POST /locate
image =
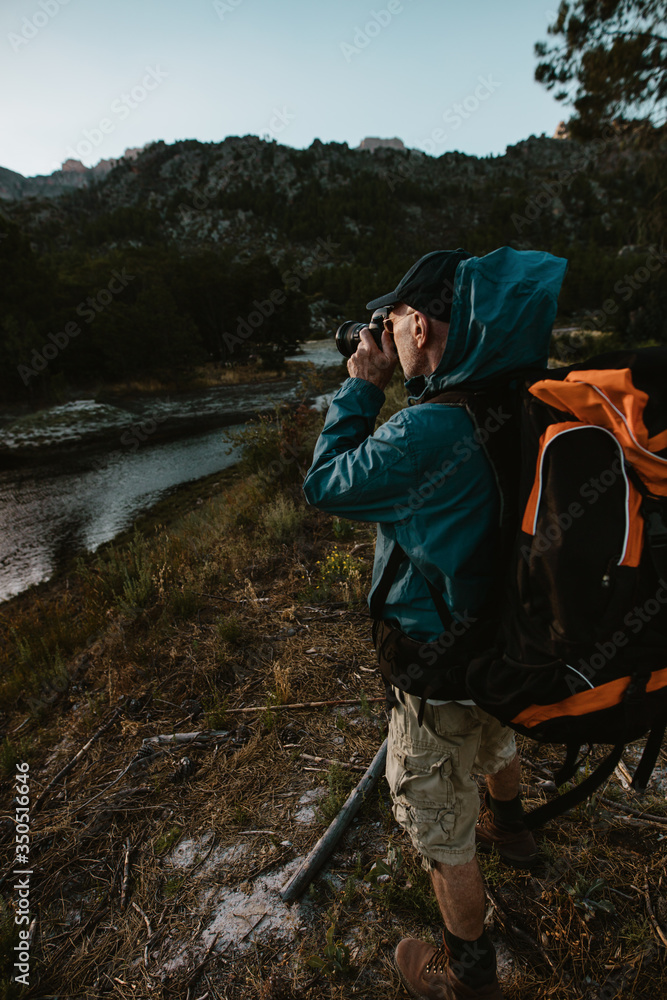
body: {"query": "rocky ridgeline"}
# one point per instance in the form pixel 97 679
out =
pixel 226 193
pixel 72 175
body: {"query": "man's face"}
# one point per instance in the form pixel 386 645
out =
pixel 401 324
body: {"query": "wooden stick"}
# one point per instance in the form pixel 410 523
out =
pixel 327 842
pixel 651 915
pixel 647 817
pixel 300 704
pixel 150 931
pixel 519 931
pixel 200 965
pixel 126 875
pixel 326 760
pixel 146 919
pixel 68 767
pixel 204 734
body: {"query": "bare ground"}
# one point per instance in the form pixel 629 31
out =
pixel 157 865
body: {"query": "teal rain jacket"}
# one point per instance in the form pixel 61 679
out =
pixel 423 475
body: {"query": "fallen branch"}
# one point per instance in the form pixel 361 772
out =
pixel 126 875
pixel 651 915
pixel 327 842
pixel 359 546
pixel 247 833
pixel 646 817
pixel 146 919
pixel 256 924
pixel 300 704
pixel 203 735
pixel 337 763
pixel 68 767
pixel 518 931
pixel 197 969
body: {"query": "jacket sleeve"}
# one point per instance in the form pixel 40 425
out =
pixel 356 473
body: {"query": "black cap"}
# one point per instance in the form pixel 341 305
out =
pixel 428 286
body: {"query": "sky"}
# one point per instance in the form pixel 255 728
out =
pixel 87 79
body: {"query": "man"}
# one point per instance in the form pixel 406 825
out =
pixel 424 477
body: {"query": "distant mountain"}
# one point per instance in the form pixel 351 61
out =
pixel 371 143
pixel 239 248
pixel 251 196
pixel 72 174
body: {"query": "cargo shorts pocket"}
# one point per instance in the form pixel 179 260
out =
pixel 424 802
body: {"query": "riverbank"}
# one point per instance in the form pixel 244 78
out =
pixel 155 865
pixel 208 375
pixel 132 413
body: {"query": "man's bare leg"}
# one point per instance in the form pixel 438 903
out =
pixel 460 894
pixel 504 785
pixel 459 889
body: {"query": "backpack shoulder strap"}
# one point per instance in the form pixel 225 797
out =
pixel 649 757
pixel 381 592
pixel 537 817
pixel 492 409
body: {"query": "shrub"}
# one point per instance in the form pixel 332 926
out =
pixel 282 519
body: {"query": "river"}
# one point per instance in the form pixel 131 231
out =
pixel 95 467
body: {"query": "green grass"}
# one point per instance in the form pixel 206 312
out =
pixel 339 783
pixel 166 841
pixel 229 629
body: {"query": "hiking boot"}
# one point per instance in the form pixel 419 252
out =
pixel 426 973
pixel 513 841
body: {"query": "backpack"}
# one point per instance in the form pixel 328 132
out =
pixel 579 609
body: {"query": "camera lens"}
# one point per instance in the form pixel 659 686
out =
pixel 348 334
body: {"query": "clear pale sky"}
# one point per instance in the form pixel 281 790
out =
pixel 98 76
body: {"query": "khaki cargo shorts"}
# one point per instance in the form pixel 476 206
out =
pixel 429 770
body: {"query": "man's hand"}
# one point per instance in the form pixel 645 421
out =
pixel 371 363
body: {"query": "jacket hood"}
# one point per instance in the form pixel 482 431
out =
pixel 504 306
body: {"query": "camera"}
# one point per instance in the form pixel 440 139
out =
pixel 348 334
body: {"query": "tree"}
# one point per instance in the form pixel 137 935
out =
pixel 610 62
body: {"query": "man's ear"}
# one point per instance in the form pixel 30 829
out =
pixel 422 329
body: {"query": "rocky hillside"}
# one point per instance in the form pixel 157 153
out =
pixel 325 225
pixel 72 175
pixel 257 195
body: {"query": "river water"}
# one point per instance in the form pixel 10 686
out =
pixel 94 468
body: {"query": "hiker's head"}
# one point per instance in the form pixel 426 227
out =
pixel 420 309
pixel 428 286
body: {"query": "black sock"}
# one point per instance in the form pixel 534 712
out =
pixel 473 962
pixel 507 811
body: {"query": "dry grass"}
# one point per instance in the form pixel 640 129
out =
pixel 206 376
pixel 175 632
